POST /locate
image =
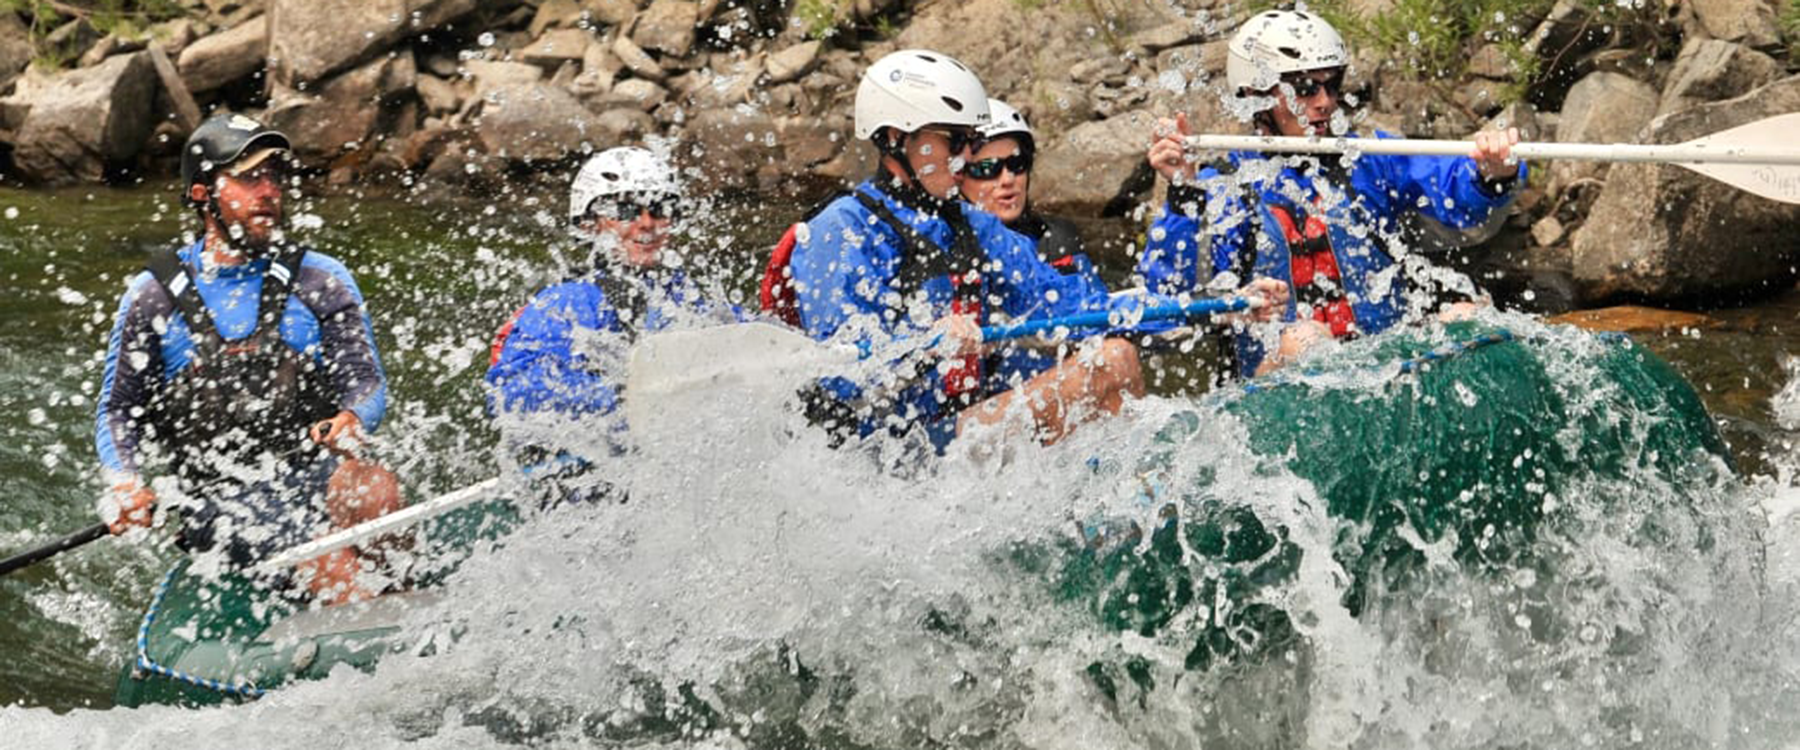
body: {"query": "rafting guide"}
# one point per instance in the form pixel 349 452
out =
pixel 244 367
pixel 1327 226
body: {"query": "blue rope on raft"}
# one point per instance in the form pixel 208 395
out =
pixel 146 664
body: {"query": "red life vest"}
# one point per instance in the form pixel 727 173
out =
pixel 1311 260
pixel 777 295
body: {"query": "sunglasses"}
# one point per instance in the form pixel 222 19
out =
pixel 988 169
pixel 959 139
pixel 1305 86
pixel 629 208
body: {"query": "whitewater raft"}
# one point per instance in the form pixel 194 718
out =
pixel 227 638
pixel 1465 439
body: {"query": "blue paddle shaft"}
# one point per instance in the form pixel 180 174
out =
pixel 1104 318
pixel 1089 320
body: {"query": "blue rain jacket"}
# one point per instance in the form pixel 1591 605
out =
pixel 844 267
pixel 1382 186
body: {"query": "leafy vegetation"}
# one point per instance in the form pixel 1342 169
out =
pixel 1435 40
pixel 822 18
pixel 1790 28
pixel 128 19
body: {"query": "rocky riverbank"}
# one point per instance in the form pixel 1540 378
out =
pixel 757 94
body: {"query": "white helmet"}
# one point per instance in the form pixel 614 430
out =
pixel 1006 121
pixel 912 88
pixel 626 169
pixel 1277 42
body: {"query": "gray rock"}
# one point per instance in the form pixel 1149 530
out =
pixel 554 14
pixel 1665 233
pixel 667 26
pixel 807 142
pixel 1519 115
pixel 1749 21
pixel 1085 166
pixel 174 36
pixel 793 62
pixel 78 122
pixel 1601 108
pixel 1490 62
pixel 611 12
pixel 443 66
pixel 342 114
pixel 1055 106
pixel 488 75
pixel 1709 70
pixel 1480 96
pixel 556 47
pixel 15 49
pixel 731 144
pixel 311 39
pixel 224 57
pixel 1547 231
pixel 175 98
pixel 625 124
pixel 716 89
pixel 532 122
pixel 438 95
pixel 1111 70
pixel 640 93
pixel 637 60
pixel 1158 38
pixel 111 44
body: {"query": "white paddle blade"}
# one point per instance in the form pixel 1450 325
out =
pixel 746 363
pixel 1777 182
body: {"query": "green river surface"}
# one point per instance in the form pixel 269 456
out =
pixel 439 274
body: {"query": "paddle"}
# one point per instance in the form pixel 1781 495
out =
pixel 765 355
pixel 373 528
pixel 23 559
pixel 1755 158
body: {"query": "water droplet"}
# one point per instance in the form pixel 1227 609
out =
pixel 486 39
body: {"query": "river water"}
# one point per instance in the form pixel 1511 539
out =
pixel 733 559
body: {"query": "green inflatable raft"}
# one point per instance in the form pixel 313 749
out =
pixel 212 639
pixel 1472 444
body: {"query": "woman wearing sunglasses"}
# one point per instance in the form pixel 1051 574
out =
pixel 1328 226
pixel 998 180
pixel 562 356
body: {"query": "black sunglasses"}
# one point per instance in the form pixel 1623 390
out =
pixel 988 169
pixel 629 208
pixel 1305 85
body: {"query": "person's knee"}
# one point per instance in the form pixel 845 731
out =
pixel 1125 370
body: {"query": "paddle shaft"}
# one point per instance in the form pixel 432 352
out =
pixel 1106 318
pixel 52 549
pixel 1692 152
pixel 367 530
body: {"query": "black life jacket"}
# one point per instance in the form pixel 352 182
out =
pixel 236 401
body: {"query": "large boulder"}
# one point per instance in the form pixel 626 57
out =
pixel 734 143
pixel 342 114
pixel 1664 233
pixel 1749 21
pixel 15 48
pixel 533 122
pixel 78 123
pixel 1012 50
pixel 224 57
pixel 1710 70
pixel 1601 108
pixel 312 39
pixel 667 26
pixel 1085 166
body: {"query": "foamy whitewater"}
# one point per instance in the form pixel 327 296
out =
pixel 762 590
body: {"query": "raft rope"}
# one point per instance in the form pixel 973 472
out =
pixel 146 664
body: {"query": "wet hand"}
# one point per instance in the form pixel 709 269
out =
pixel 136 504
pixel 957 336
pixel 1168 150
pixel 1273 297
pixel 1493 154
pixel 339 434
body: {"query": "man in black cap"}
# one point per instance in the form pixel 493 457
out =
pixel 242 367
